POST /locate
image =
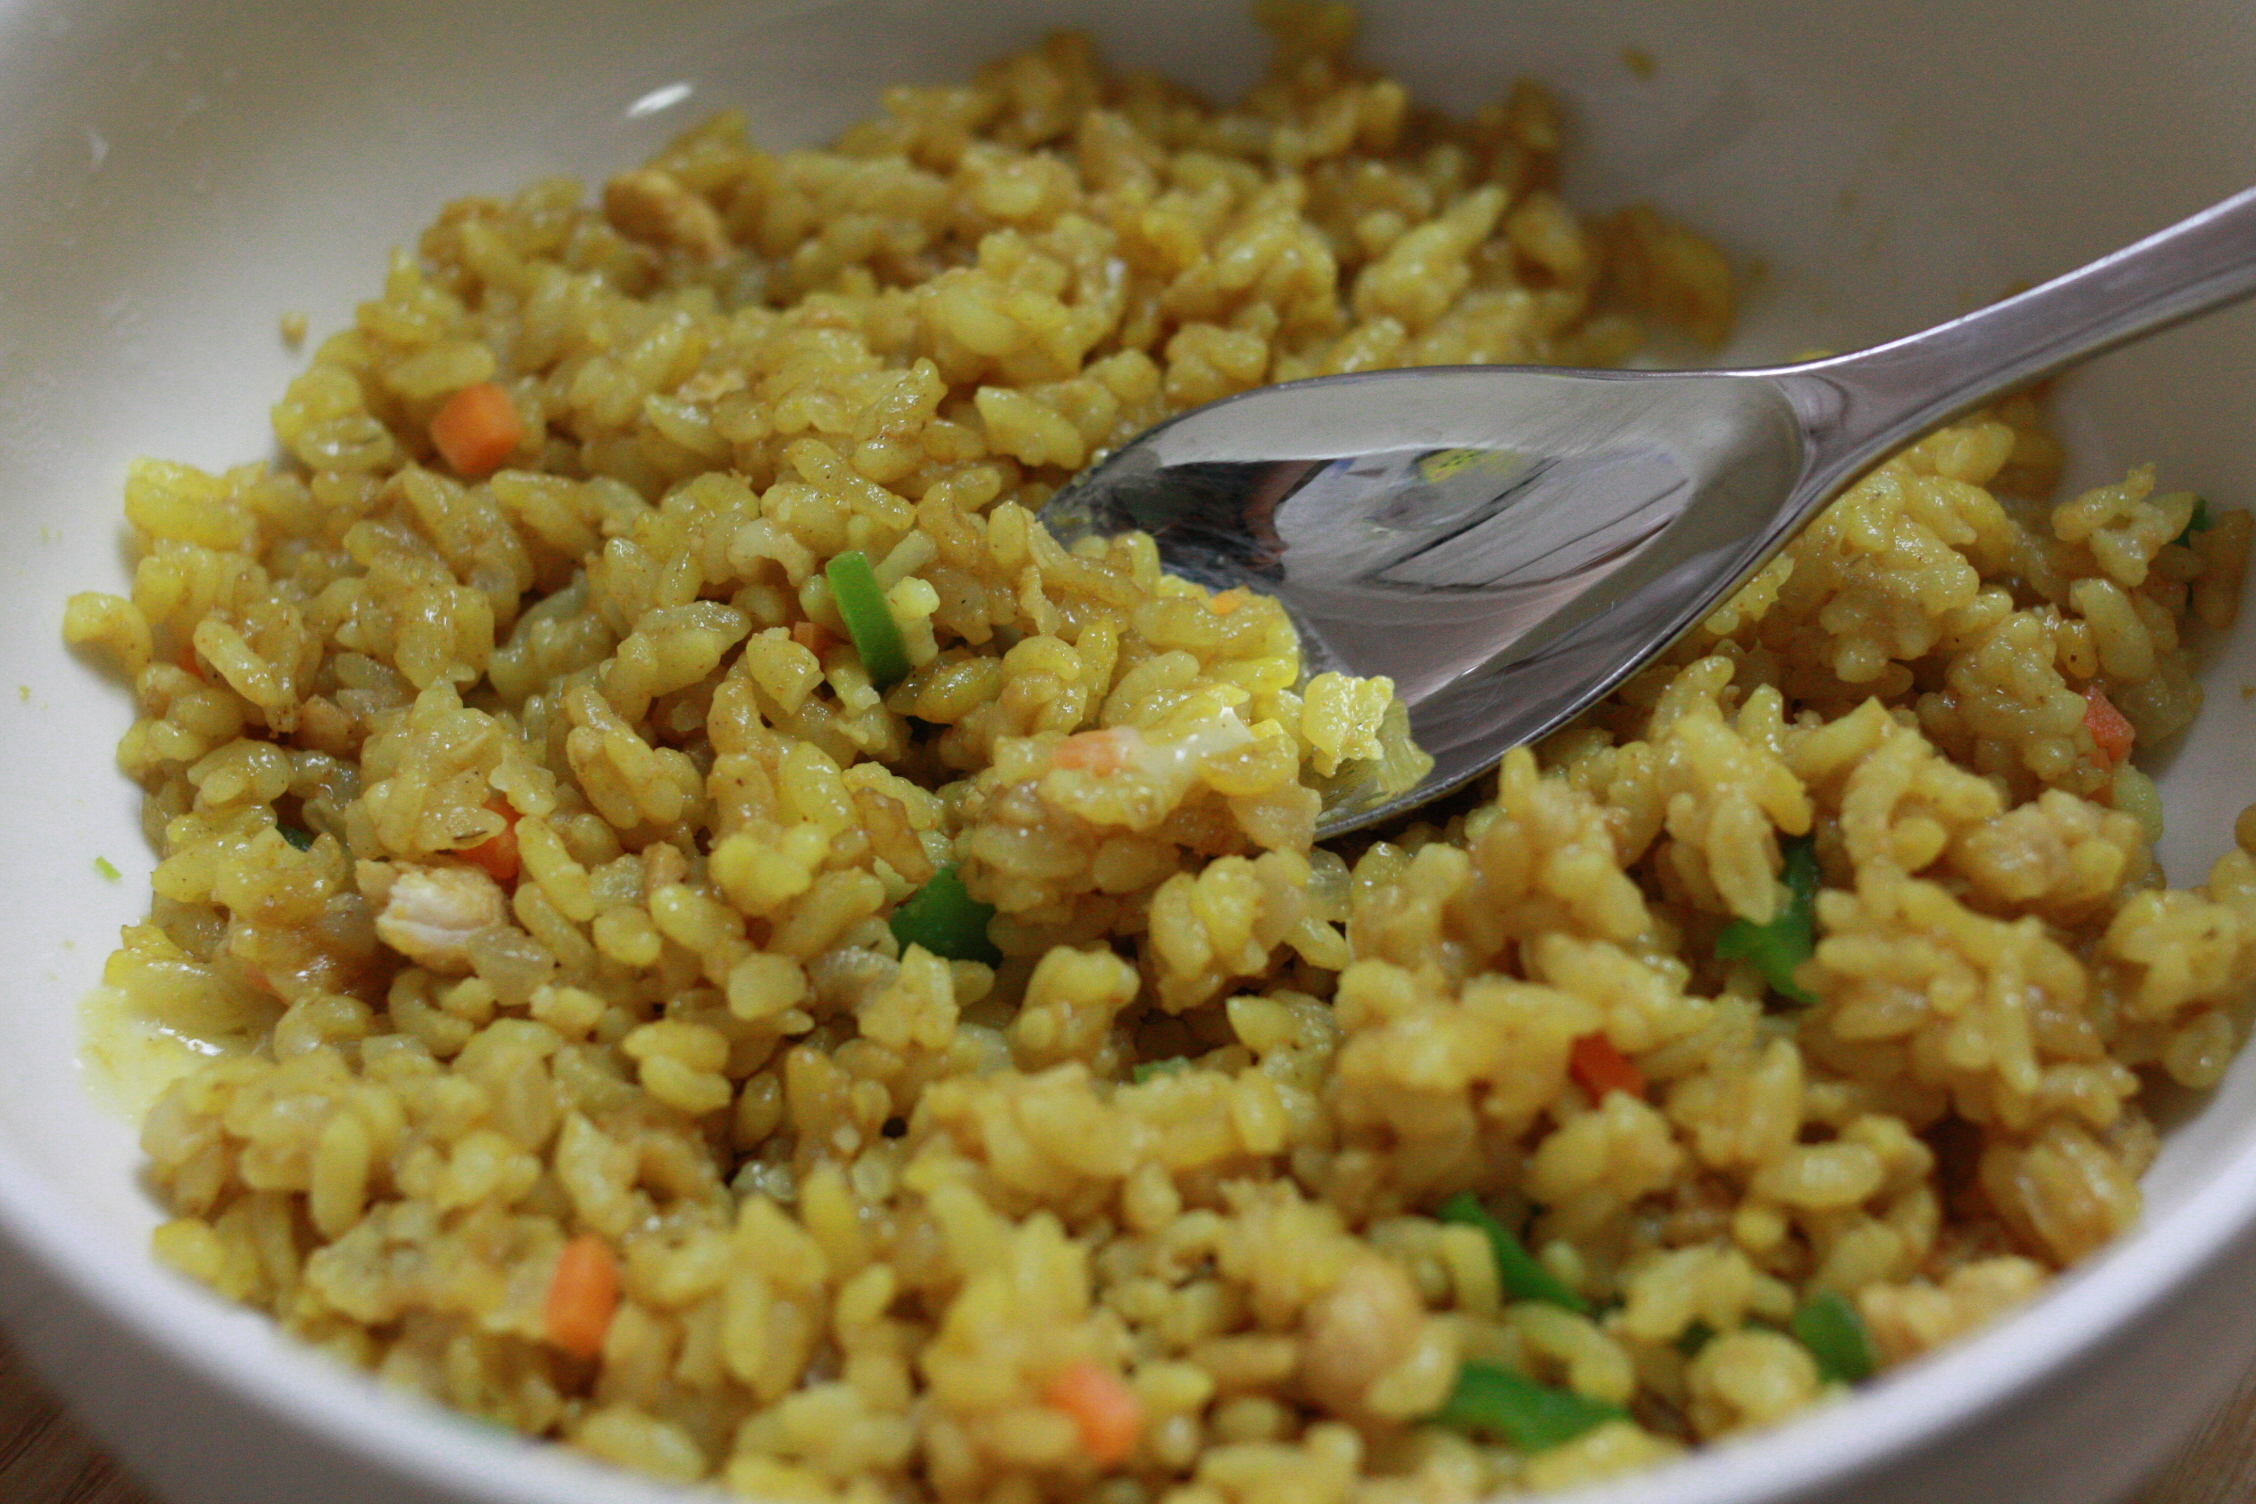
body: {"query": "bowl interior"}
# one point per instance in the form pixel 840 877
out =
pixel 178 178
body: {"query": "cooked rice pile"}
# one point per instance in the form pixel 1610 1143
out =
pixel 1154 1200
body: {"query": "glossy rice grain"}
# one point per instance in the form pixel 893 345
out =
pixel 529 845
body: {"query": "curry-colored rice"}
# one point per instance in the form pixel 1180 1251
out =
pixel 1191 1134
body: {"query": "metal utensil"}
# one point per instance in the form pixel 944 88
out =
pixel 1509 543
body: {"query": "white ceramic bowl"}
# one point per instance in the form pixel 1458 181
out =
pixel 174 178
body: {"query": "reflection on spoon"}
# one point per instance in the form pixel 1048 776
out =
pixel 1508 544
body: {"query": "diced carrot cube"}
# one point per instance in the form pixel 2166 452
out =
pixel 2109 728
pixel 477 430
pixel 497 854
pixel 583 1296
pixel 1600 1068
pixel 1105 1410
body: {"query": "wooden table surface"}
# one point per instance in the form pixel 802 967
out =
pixel 46 1459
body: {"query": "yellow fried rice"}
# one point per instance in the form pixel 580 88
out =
pixel 881 1219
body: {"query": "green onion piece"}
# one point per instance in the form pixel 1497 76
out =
pixel 1516 1268
pixel 1834 1333
pixel 1173 1065
pixel 2199 522
pixel 869 620
pixel 107 868
pixel 1514 1407
pixel 302 839
pixel 1790 937
pixel 945 919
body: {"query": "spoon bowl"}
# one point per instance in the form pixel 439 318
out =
pixel 1507 544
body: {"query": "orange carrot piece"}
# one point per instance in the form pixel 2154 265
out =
pixel 1600 1068
pixel 497 854
pixel 583 1295
pixel 2107 725
pixel 1102 1406
pixel 477 429
pixel 811 637
pixel 1098 752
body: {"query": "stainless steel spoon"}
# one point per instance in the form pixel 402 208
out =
pixel 1509 543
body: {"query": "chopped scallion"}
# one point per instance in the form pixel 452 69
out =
pixel 1696 1335
pixel 1515 1408
pixel 107 868
pixel 302 839
pixel 869 620
pixel 2199 522
pixel 1516 1268
pixel 1790 936
pixel 1831 1329
pixel 1173 1065
pixel 946 920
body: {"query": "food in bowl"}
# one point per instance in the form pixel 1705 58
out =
pixel 723 943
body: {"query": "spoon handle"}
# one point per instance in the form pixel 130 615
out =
pixel 1854 408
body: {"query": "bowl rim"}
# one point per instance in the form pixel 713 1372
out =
pixel 274 1374
pixel 1940 1394
pixel 1926 1400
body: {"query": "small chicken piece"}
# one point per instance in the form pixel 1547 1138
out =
pixel 1115 749
pixel 1356 1331
pixel 430 913
pixel 651 205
